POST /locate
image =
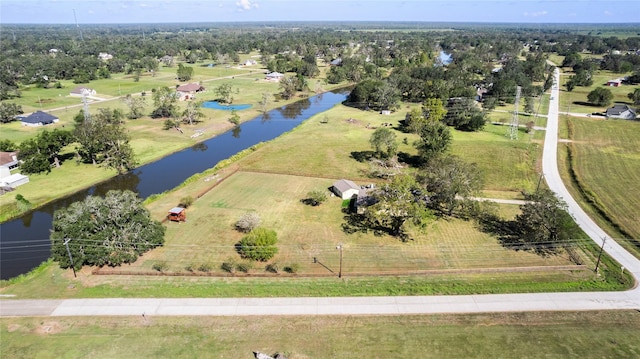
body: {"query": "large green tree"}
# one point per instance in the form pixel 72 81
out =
pixel 545 224
pixel 384 143
pixel 224 92
pixel 136 106
pixel 397 204
pixel 435 139
pixel 103 140
pixel 100 231
pixel 600 96
pixel 165 101
pixel 38 154
pixel 184 73
pixel 449 182
pixel 9 111
pixel 465 115
pixel 634 96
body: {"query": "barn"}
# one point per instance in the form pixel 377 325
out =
pixel 345 189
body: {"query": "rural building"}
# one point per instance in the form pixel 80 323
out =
pixel 105 56
pixel 614 83
pixel 621 111
pixel 38 118
pixel 188 91
pixel 80 90
pixel 9 160
pixel 336 62
pixel 14 180
pixel 274 76
pixel 177 214
pixel 345 189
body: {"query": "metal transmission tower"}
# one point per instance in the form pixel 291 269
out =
pixel 513 128
pixel 77 26
pixel 85 105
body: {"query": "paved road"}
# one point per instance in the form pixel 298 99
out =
pixel 372 305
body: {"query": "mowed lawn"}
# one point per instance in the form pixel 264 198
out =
pixel 606 160
pixel 306 232
pixel 505 335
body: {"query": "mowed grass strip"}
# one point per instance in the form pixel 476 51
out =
pixel 510 335
pixel 606 160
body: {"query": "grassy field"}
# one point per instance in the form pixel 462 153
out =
pixel 148 139
pixel 606 163
pixel 510 335
pixel 576 100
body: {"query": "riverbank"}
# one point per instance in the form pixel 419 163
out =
pixel 150 143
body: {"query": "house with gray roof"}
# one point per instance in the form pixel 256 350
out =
pixel 621 111
pixel 345 189
pixel 38 118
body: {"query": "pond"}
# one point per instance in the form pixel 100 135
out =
pixel 217 106
pixel 24 242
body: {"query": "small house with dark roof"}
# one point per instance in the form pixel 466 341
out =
pixel 38 118
pixel 621 111
pixel 345 189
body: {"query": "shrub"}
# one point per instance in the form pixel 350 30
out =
pixel 205 267
pixel 186 202
pixel 228 266
pixel 190 267
pixel 248 222
pixel 244 267
pixel 160 266
pixel 292 268
pixel 315 198
pixel 272 268
pixel 258 245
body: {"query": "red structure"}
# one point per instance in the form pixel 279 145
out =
pixel 177 214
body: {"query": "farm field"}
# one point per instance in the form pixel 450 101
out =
pixel 606 163
pixel 509 335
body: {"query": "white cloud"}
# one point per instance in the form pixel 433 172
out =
pixel 536 14
pixel 608 13
pixel 246 5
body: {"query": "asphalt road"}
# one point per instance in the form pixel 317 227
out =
pixel 373 305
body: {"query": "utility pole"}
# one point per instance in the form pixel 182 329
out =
pixel 66 243
pixel 339 247
pixel 604 240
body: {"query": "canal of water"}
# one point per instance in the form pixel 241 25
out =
pixel 24 242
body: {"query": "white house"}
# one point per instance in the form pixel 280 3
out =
pixel 345 189
pixel 274 76
pixel 105 56
pixel 78 91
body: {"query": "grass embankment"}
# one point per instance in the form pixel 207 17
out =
pixel 148 139
pixel 512 335
pixel 603 169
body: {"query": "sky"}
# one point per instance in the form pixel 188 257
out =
pixel 163 11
